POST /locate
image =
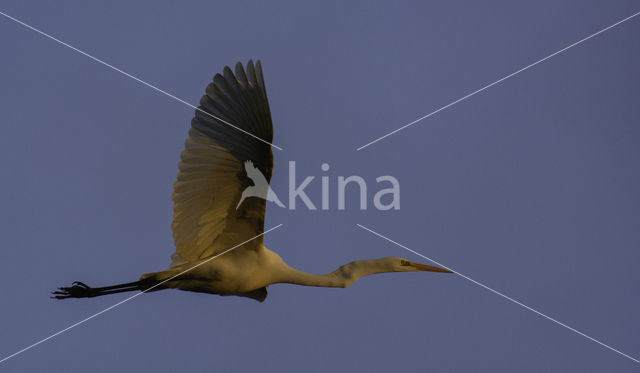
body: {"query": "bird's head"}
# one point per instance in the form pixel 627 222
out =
pixel 404 265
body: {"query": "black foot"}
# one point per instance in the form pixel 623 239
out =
pixel 77 290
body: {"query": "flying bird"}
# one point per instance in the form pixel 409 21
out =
pixel 232 127
pixel 260 187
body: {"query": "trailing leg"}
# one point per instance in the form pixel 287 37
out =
pixel 81 290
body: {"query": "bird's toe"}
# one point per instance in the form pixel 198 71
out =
pixel 77 290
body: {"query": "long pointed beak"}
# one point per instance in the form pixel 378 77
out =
pixel 425 267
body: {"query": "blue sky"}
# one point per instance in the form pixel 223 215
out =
pixel 530 187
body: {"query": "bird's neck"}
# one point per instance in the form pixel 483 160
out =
pixel 294 276
pixel 341 277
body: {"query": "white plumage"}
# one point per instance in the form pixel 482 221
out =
pixel 219 204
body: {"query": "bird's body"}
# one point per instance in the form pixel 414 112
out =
pixel 235 273
pixel 219 205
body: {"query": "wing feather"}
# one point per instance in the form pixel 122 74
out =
pixel 211 174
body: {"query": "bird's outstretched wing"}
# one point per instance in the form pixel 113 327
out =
pixel 211 177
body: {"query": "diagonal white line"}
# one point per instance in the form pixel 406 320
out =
pixel 133 296
pixel 496 82
pixel 134 78
pixel 500 294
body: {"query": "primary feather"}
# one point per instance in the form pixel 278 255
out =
pixel 211 177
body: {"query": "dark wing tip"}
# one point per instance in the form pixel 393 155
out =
pixel 238 100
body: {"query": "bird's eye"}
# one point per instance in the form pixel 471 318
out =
pixel 405 262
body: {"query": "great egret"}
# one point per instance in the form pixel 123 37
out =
pixel 211 214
